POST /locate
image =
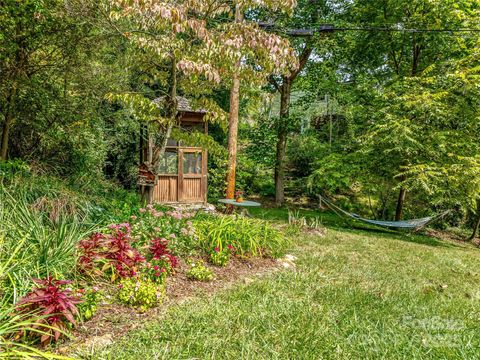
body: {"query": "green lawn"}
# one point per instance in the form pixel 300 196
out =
pixel 354 295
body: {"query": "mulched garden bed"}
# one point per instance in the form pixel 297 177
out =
pixel 114 320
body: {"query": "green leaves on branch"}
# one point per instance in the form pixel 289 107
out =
pixel 140 107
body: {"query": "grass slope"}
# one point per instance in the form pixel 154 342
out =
pixel 355 294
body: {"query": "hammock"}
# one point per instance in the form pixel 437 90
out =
pixel 413 224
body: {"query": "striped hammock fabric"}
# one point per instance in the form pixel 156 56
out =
pixel 413 224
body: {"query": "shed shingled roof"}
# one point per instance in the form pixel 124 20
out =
pixel 183 104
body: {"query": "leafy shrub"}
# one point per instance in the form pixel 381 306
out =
pixel 90 300
pixel 198 271
pixel 157 222
pixel 112 251
pixel 247 236
pixel 140 293
pixel 55 305
pixel 221 257
pixel 157 270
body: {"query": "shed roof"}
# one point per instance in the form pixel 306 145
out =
pixel 184 104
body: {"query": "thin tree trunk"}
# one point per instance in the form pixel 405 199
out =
pixel 158 149
pixel 232 137
pixel 285 92
pixel 400 202
pixel 233 123
pixel 5 136
pixel 7 124
pixel 476 226
pixel 282 130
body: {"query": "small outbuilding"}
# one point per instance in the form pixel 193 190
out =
pixel 182 174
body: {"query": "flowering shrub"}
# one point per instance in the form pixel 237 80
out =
pixel 221 257
pixel 90 299
pixel 152 223
pixel 140 293
pixel 110 251
pixel 157 271
pixel 54 307
pixel 198 271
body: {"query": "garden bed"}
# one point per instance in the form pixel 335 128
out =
pixel 113 320
pixel 94 285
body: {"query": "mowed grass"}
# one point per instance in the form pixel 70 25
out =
pixel 353 295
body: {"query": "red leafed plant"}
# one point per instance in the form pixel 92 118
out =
pixel 114 250
pixel 90 251
pixel 159 249
pixel 54 307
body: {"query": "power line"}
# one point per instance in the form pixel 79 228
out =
pixel 329 28
pixel 386 29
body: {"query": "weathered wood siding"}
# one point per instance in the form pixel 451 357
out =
pixel 166 189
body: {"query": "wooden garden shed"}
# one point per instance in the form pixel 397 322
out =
pixel 182 174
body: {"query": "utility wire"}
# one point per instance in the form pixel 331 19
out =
pixel 406 30
pixel 329 28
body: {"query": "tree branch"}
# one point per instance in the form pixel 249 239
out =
pixel 304 56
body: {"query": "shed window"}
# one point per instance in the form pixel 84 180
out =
pixel 192 163
pixel 169 163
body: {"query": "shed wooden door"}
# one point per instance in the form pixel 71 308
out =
pixel 166 189
pixel 191 175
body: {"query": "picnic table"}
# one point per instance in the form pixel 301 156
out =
pixel 243 205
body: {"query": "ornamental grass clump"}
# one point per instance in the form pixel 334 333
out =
pixel 54 309
pixel 249 237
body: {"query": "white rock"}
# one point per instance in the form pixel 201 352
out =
pixel 289 257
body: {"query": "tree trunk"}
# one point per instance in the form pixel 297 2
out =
pixel 282 130
pixel 233 123
pixel 232 137
pixel 476 226
pixel 5 135
pixel 400 202
pixel 7 124
pixel 285 92
pixel 157 149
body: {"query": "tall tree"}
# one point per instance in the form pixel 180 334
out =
pixel 233 121
pixel 308 15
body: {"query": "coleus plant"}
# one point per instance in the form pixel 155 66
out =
pixel 110 251
pixel 53 307
pixel 159 251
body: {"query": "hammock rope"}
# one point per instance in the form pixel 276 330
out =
pixel 413 224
